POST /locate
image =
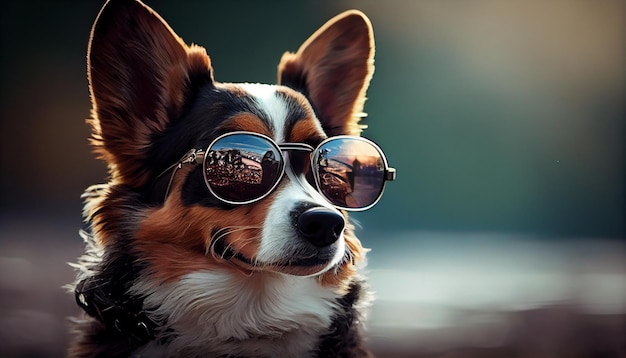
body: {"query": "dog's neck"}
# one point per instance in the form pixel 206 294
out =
pixel 231 313
pixel 216 313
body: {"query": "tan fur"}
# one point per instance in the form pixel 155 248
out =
pixel 339 279
pixel 176 239
pixel 247 122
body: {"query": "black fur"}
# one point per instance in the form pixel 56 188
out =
pixel 109 327
pixel 196 129
pixel 198 126
pixel 343 338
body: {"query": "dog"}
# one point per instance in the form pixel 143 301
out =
pixel 223 230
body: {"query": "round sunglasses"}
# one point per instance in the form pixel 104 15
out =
pixel 245 167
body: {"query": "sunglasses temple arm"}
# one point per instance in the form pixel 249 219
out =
pixel 390 174
pixel 193 156
pixel 169 184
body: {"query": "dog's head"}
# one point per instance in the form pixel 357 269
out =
pixel 155 99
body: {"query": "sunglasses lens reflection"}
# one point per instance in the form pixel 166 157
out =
pixel 240 168
pixel 350 172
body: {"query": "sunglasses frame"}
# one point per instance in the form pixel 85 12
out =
pixel 197 156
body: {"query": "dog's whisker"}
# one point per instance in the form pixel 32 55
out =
pixel 222 233
pixel 225 231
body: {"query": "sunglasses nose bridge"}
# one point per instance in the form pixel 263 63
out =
pixel 299 178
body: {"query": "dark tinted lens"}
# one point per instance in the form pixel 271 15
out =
pixel 350 172
pixel 242 167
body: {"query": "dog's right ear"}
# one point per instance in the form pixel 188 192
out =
pixel 140 76
pixel 333 69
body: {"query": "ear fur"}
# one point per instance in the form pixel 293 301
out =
pixel 333 69
pixel 140 75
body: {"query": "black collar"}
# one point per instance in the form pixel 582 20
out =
pixel 125 316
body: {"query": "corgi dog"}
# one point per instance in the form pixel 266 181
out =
pixel 223 230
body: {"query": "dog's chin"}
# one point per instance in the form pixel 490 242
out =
pixel 305 267
pixel 295 264
pixel 294 269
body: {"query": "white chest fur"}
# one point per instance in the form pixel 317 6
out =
pixel 215 313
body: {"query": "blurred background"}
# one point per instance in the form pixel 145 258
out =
pixel 504 235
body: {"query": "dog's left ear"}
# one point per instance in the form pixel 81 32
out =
pixel 141 75
pixel 333 69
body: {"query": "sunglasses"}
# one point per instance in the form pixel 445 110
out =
pixel 244 167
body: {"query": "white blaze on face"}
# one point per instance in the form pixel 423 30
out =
pixel 279 237
pixel 272 105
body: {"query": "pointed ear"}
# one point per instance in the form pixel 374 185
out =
pixel 141 74
pixel 333 69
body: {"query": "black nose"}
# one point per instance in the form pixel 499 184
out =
pixel 321 226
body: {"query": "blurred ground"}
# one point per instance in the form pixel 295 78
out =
pixel 490 295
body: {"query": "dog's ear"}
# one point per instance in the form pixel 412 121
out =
pixel 140 77
pixel 333 69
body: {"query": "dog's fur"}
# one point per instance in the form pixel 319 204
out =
pixel 187 275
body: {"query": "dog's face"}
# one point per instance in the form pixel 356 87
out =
pixel 155 98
